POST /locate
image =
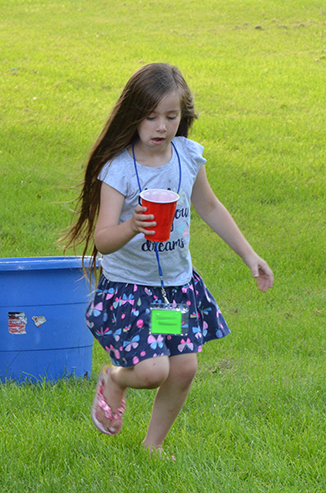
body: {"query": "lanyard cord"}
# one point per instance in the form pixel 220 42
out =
pixel 136 170
pixel 166 301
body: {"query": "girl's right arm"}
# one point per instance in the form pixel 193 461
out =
pixel 109 235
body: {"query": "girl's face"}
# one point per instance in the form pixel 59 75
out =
pixel 158 129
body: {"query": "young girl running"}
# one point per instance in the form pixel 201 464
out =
pixel 144 145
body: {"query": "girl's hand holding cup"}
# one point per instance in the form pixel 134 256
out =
pixel 141 221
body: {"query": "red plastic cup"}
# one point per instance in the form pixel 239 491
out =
pixel 162 204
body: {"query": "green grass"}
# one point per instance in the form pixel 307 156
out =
pixel 255 417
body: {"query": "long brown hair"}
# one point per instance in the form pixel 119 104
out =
pixel 140 96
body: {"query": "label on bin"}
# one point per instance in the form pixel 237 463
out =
pixel 17 322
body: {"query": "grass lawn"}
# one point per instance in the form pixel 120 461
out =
pixel 255 417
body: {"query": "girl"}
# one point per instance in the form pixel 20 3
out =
pixel 144 145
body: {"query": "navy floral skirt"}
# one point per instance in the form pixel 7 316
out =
pixel 119 318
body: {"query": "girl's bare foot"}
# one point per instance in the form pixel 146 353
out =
pixel 158 451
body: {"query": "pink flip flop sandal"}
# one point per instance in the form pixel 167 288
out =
pixel 99 401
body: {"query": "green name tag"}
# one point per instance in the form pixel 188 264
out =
pixel 166 321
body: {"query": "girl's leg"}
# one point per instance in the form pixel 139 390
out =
pixel 148 374
pixel 170 398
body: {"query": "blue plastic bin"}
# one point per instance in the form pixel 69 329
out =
pixel 43 334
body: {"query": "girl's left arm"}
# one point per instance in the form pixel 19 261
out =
pixel 213 212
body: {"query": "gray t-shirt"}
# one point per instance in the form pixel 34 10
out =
pixel 136 262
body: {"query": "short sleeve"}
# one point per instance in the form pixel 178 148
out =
pixel 114 174
pixel 192 150
pixel 196 153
